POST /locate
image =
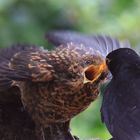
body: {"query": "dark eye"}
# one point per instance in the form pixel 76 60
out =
pixel 108 60
pixel 88 62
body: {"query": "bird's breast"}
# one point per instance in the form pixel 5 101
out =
pixel 48 104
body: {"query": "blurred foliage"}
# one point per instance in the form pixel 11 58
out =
pixel 88 124
pixel 28 20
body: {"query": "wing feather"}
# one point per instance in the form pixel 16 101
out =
pixel 31 65
pixel 101 43
pixel 19 63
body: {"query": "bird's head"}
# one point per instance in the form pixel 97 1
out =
pixel 94 68
pixel 78 66
pixel 82 65
pixel 120 59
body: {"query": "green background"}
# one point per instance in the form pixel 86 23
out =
pixel 26 21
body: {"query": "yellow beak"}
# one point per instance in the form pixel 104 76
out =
pixel 92 72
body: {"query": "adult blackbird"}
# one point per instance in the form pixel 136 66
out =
pixel 46 89
pixel 121 101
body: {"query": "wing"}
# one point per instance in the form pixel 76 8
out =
pixel 121 113
pixel 101 43
pixel 9 94
pixel 5 55
pixel 111 116
pixel 22 62
pixel 30 65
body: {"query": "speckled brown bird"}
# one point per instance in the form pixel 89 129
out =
pixel 54 86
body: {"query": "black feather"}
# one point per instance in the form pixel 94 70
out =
pixel 121 102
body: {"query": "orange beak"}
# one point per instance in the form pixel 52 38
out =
pixel 92 72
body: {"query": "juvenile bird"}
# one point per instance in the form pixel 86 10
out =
pixel 53 86
pixel 121 101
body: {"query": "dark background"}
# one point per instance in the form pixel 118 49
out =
pixel 26 21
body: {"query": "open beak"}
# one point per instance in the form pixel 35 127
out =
pixel 92 72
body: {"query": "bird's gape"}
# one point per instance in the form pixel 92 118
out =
pixel 92 72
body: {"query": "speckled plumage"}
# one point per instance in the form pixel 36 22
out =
pixel 55 91
pixel 52 86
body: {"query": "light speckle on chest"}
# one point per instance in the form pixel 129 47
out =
pixel 56 106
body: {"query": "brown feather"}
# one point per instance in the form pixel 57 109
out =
pixel 51 83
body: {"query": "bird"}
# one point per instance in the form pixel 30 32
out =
pixel 120 108
pixel 42 90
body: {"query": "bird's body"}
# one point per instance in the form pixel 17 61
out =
pixel 60 93
pixel 54 86
pixel 121 108
pixel 57 95
pixel 57 107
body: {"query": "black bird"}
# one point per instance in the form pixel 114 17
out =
pixel 45 89
pixel 121 100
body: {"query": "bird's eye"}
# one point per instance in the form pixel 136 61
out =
pixel 108 60
pixel 87 62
